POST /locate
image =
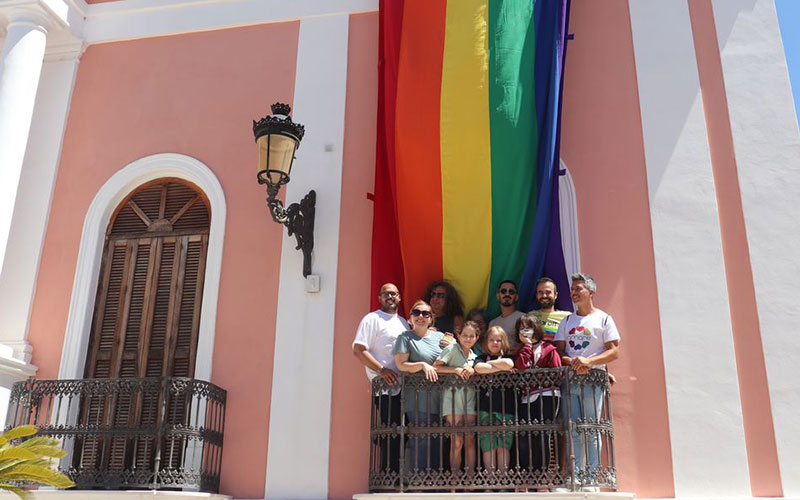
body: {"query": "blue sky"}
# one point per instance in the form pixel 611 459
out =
pixel 789 20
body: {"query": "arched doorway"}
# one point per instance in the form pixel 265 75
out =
pixel 145 326
pixel 147 310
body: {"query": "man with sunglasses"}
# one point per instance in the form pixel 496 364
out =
pixel 507 297
pixel 373 346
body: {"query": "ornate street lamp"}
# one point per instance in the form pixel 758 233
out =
pixel 277 138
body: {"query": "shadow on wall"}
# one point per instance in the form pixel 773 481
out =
pixel 726 18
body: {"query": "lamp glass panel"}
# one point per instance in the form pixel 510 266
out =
pixel 262 143
pixel 280 149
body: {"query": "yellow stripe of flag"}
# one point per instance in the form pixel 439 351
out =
pixel 465 151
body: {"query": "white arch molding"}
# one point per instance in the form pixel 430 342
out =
pixel 568 218
pixel 98 216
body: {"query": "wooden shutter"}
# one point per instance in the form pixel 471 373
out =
pixel 147 313
pixel 151 284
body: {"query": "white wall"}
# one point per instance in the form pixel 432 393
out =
pixel 767 146
pixel 705 416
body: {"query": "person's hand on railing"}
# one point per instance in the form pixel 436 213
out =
pixel 580 365
pixel 430 372
pixel 388 376
pixel 465 373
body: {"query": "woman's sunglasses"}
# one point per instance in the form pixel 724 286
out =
pixel 418 312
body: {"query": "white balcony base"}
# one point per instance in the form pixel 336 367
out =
pixel 115 495
pixel 578 495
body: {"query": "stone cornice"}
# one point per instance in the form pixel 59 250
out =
pixel 73 24
pixel 16 368
pixel 133 19
pixel 62 19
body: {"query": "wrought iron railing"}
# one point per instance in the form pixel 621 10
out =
pixel 129 433
pixel 566 439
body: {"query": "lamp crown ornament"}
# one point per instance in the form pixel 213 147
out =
pixel 279 122
pixel 280 108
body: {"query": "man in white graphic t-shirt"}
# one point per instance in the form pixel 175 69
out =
pixel 586 339
pixel 373 346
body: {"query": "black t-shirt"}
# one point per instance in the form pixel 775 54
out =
pixel 445 324
pixel 498 399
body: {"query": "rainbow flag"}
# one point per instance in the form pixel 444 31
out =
pixel 466 168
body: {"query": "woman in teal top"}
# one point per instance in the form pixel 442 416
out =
pixel 415 351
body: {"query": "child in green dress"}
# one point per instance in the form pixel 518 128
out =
pixel 458 404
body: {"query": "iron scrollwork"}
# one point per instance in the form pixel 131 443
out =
pixel 412 442
pixel 153 433
pixel 298 219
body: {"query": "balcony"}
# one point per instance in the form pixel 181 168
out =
pixel 132 433
pixel 566 444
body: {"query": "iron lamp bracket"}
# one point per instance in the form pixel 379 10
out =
pixel 298 219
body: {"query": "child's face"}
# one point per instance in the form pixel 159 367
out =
pixel 468 337
pixel 495 343
pixel 526 335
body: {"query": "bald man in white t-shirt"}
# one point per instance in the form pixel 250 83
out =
pixel 373 346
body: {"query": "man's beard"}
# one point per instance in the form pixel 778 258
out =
pixel 547 303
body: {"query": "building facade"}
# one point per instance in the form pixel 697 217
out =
pixel 680 138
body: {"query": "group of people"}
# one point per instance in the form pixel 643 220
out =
pixel 439 339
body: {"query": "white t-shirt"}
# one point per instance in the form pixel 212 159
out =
pixel 509 324
pixel 587 335
pixel 377 332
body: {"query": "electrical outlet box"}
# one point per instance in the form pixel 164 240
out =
pixel 312 283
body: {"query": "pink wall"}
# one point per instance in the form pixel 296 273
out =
pixel 184 94
pixel 603 148
pixel 350 406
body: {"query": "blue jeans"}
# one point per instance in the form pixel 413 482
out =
pixel 586 402
pixel 422 407
pixel 421 444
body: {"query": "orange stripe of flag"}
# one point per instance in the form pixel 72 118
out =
pixel 418 169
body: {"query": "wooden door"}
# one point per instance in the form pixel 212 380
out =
pixel 146 317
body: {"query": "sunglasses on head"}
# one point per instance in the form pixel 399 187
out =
pixel 507 291
pixel 419 312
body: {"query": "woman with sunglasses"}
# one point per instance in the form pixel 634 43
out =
pixel 446 305
pixel 415 351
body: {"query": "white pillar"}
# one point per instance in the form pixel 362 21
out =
pixel 766 141
pixel 34 192
pixel 11 371
pixel 20 67
pixel 299 429
pixel 709 455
